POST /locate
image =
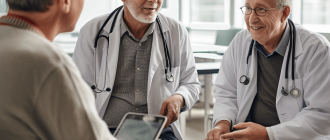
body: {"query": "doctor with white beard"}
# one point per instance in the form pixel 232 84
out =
pixel 145 66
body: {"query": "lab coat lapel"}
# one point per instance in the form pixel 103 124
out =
pixel 250 90
pixel 157 52
pixel 112 57
pixel 299 48
pixel 287 106
pixel 284 82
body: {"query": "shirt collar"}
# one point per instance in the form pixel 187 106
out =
pixel 20 22
pixel 124 29
pixel 281 47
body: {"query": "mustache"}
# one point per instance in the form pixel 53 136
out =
pixel 150 5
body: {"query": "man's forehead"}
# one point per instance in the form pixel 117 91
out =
pixel 262 3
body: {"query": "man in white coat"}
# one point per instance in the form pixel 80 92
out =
pixel 43 95
pixel 261 93
pixel 133 64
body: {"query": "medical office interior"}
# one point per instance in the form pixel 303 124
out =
pixel 212 24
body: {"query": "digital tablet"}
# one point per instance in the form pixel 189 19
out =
pixel 137 126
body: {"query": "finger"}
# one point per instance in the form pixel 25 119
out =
pixel 216 135
pixel 233 135
pixel 242 126
pixel 169 118
pixel 163 109
pixel 209 136
pixel 227 136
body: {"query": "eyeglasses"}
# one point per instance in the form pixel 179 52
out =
pixel 258 11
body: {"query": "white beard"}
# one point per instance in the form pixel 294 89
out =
pixel 134 10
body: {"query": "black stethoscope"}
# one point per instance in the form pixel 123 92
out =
pixel 294 92
pixel 168 70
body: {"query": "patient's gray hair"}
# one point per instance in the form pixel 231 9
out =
pixel 280 3
pixel 30 5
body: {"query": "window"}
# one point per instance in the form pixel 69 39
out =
pixel 3 7
pixel 207 11
pixel 206 14
pixel 316 12
pixel 312 14
pixel 165 5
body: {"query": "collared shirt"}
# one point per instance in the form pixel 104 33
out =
pixel 281 47
pixel 124 29
pixel 269 70
pixel 129 92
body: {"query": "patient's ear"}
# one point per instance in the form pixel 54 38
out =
pixel 65 5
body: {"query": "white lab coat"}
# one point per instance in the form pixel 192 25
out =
pixel 183 64
pixel 312 76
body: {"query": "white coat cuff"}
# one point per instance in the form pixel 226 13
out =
pixel 223 118
pixel 270 133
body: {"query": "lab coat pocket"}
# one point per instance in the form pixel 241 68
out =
pixel 169 88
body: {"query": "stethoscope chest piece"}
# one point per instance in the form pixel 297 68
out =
pixel 284 92
pixel 169 78
pixel 244 80
pixel 295 92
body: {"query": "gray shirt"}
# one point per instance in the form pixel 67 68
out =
pixel 280 49
pixel 130 88
pixel 263 110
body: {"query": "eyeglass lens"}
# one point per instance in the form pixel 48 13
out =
pixel 248 11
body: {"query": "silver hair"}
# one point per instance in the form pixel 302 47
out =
pixel 281 3
pixel 29 5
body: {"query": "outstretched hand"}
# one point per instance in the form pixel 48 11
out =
pixel 171 108
pixel 219 129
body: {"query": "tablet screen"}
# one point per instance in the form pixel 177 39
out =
pixel 139 127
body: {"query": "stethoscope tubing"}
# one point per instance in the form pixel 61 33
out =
pixel 96 87
pixel 292 48
pixel 166 50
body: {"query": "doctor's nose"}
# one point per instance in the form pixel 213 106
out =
pixel 253 17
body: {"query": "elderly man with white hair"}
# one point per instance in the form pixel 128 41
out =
pixel 274 79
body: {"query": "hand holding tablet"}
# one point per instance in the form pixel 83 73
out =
pixel 137 126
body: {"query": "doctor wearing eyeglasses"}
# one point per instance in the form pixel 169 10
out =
pixel 274 81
